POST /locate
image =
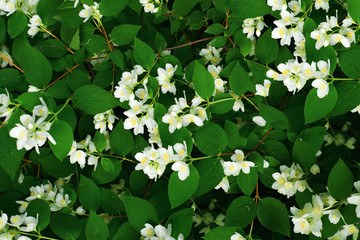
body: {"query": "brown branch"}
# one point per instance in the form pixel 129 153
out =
pixel 3 57
pixel 188 44
pixel 148 189
pixel 62 76
pixel 59 41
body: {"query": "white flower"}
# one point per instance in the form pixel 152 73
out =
pixel 35 20
pixel 324 4
pixel 23 206
pixel 21 133
pixel 3 220
pixel 30 223
pixel 182 168
pixel 79 157
pixel 324 68
pixel 238 156
pixel 17 220
pixel 61 201
pixel 275 5
pixel 338 38
pixel 172 121
pixel 357 109
pixel 224 184
pixel 334 216
pixel 322 87
pixel 86 12
pixel 301 225
pixel 350 230
pixel 259 121
pixel 231 168
pixel 315 169
pixel 355 199
pixel 148 231
pixel 191 118
pixel 238 236
pixel 245 166
pixel 263 90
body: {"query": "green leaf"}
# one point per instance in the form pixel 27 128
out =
pixel 2 29
pixel 143 54
pixel 17 23
pixel 223 103
pixel 277 150
pixel 96 43
pixel 10 156
pixel 110 202
pixel 75 40
pixel 243 42
pixel 110 8
pixel 348 93
pixel 267 48
pixel 211 173
pixel 107 165
pixel 247 182
pixel 233 135
pixel 249 9
pixel 93 99
pixel 10 78
pixel 349 61
pixel 274 117
pixel 340 181
pixel 54 167
pixel 89 194
pixel 203 81
pixel 37 69
pixel 67 227
pixel 241 212
pixel 273 215
pixel 96 228
pixel 306 145
pixel 41 208
pixel 211 139
pixel 124 34
pixel 52 48
pixel 102 176
pixel 126 232
pixel 121 140
pixel 139 212
pixel 317 108
pixel 353 6
pixel 63 136
pixel 183 7
pixel 215 29
pixel 220 233
pixel 239 80
pixel 47 9
pixel 181 222
pixel 100 141
pixel 180 191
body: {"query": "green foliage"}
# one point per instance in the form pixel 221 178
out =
pixel 194 118
pixel 272 214
pixel 87 98
pixel 180 191
pixel 203 81
pixel 340 180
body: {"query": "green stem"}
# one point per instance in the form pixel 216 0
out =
pixel 38 236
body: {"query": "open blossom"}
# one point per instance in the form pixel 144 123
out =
pixel 322 87
pixel 211 54
pixel 182 168
pixel 324 4
pixel 33 132
pixel 224 184
pixel 263 90
pixel 90 11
